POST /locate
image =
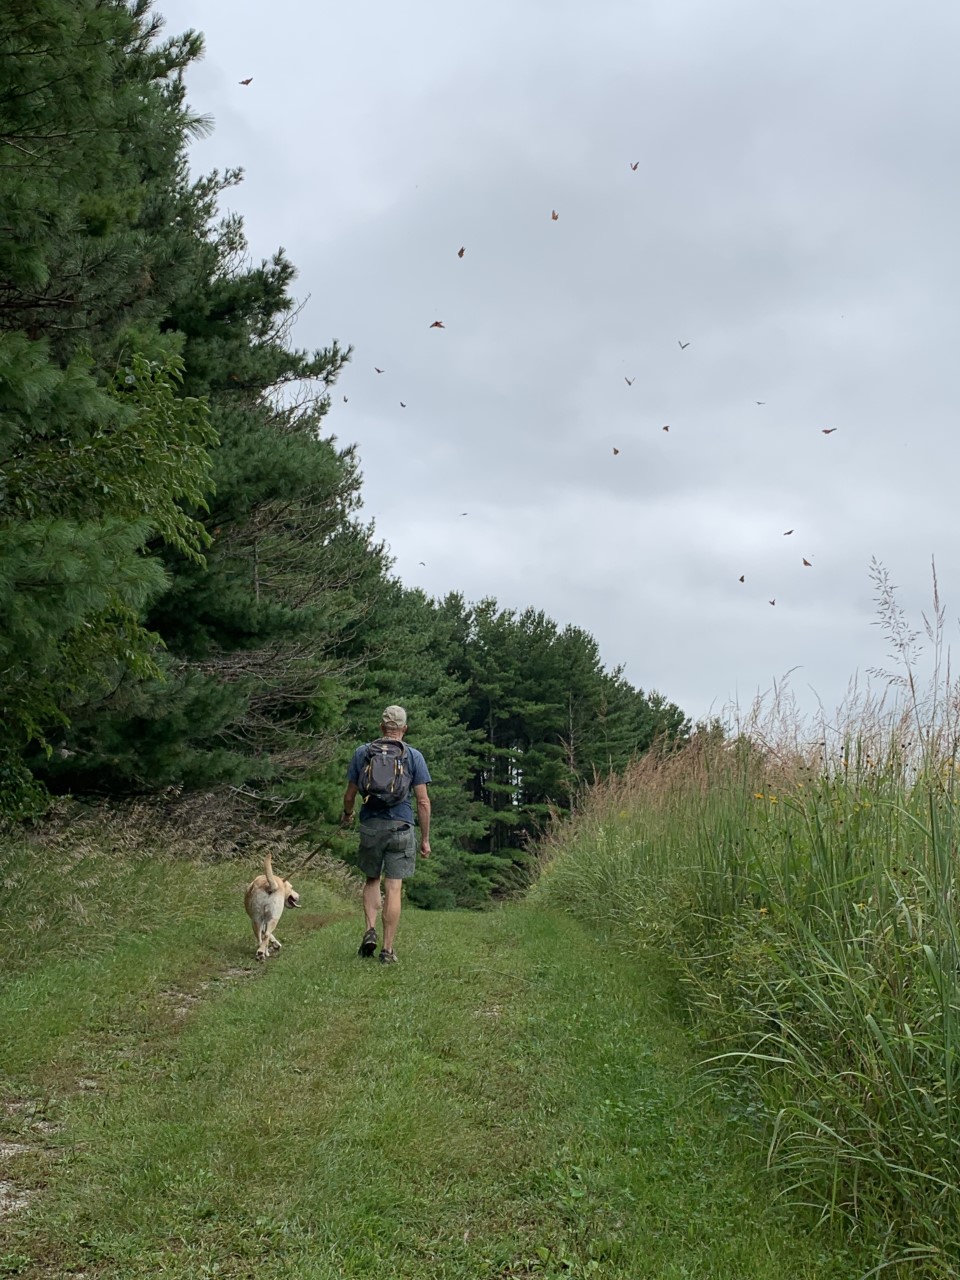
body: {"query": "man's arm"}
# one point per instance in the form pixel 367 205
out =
pixel 423 817
pixel 349 797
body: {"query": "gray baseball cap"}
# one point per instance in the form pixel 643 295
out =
pixel 394 718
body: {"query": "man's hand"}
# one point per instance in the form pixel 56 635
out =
pixel 425 848
pixel 346 820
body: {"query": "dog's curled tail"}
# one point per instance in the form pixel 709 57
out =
pixel 272 880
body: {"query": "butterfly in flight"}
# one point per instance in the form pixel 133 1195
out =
pixel 828 430
pixel 249 80
pixel 629 381
pixel 438 324
pixel 635 165
pixel 682 345
pixel 554 215
pixel 461 251
pixel 787 533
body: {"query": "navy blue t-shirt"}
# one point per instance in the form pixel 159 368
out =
pixel 402 812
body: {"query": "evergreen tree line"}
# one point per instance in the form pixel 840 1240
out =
pixel 188 596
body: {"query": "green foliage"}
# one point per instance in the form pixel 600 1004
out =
pixel 21 796
pixel 75 450
pixel 547 716
pixel 71 598
pixel 132 336
pixel 97 449
pixel 90 114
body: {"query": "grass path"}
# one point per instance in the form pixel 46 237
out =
pixel 512 1100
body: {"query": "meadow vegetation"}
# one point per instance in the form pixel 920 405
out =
pixel 804 879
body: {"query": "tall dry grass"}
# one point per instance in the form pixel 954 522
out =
pixel 805 878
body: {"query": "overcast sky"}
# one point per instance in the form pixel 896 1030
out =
pixel 793 217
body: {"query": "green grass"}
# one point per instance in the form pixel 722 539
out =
pixel 515 1099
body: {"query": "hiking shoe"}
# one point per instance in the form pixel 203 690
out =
pixel 388 957
pixel 369 944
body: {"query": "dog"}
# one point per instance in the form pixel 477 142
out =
pixel 265 898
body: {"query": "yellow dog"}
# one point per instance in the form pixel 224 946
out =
pixel 264 900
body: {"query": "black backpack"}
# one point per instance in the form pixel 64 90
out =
pixel 385 776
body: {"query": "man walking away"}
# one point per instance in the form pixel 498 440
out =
pixel 383 773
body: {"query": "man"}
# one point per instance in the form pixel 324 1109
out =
pixel 388 843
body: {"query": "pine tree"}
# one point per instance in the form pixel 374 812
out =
pixel 549 717
pixel 254 683
pixel 96 449
pixel 150 377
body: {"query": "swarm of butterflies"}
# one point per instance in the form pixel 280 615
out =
pixel 555 217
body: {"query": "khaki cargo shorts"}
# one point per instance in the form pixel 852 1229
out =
pixel 387 848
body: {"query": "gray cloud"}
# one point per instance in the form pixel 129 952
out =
pixel 792 217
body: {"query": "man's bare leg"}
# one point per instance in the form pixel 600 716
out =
pixel 391 911
pixel 372 901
